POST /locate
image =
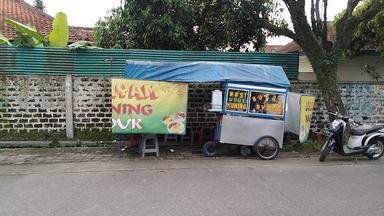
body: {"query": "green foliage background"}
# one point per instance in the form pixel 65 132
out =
pixel 185 25
pixel 369 34
pixel 39 4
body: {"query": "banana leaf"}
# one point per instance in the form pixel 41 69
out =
pixel 24 40
pixel 26 30
pixel 60 31
pixel 82 45
pixel 4 40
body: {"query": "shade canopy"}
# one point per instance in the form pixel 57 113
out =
pixel 198 72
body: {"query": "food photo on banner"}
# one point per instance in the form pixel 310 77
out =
pixel 149 107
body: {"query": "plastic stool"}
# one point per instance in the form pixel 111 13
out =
pixel 170 137
pixel 145 148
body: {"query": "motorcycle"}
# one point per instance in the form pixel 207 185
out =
pixel 363 139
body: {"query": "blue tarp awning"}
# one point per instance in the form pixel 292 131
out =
pixel 256 74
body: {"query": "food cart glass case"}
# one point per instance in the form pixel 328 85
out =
pixel 250 113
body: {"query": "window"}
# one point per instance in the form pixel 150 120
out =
pixel 266 103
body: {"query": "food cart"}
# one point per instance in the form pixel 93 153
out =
pixel 252 113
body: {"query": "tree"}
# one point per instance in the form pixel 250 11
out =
pixel 147 25
pixel 183 25
pixel 368 34
pixel 39 5
pixel 323 54
pixel 222 25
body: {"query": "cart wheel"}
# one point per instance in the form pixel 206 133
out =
pixel 209 149
pixel 266 148
pixel 245 151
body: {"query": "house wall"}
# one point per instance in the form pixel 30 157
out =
pixel 348 71
pixel 305 69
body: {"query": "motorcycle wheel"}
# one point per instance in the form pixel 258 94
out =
pixel 325 151
pixel 376 144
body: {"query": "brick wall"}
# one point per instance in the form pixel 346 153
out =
pixel 32 104
pixel 92 103
pixel 361 100
pixel 37 103
pixel 199 97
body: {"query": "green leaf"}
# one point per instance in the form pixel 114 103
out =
pixel 60 31
pixel 4 40
pixel 82 45
pixel 31 32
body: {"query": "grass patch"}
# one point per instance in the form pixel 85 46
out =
pixel 14 135
pixel 307 147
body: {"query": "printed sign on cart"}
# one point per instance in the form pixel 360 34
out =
pixel 148 107
pixel 267 103
pixel 237 100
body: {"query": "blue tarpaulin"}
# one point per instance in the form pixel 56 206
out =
pixel 256 74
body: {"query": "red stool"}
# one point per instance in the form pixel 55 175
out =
pixel 134 140
pixel 196 136
pixel 187 137
pixel 207 133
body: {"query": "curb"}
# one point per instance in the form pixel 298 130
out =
pixel 10 144
pixel 64 143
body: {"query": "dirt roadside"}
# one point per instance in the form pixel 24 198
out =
pixel 85 154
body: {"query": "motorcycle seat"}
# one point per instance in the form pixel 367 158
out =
pixel 364 130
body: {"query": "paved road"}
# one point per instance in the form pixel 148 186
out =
pixel 226 186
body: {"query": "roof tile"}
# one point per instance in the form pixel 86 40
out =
pixel 22 12
pixel 294 47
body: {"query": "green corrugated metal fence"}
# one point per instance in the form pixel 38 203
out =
pixel 50 61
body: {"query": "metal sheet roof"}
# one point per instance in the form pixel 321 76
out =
pixel 111 62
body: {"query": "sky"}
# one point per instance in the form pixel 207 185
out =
pixel 85 13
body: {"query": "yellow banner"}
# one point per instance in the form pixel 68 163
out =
pixel 306 109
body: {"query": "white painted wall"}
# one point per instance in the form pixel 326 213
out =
pixel 349 70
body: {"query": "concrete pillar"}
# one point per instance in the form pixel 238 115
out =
pixel 69 107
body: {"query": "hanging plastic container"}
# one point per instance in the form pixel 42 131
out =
pixel 217 101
